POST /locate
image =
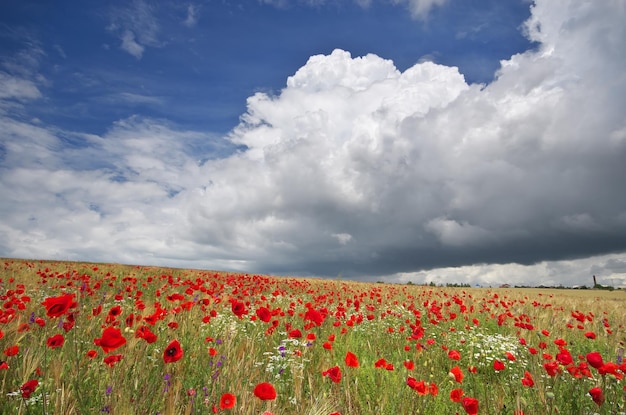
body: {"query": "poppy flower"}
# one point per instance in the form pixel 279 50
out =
pixel 564 357
pixel 351 360
pixel 173 352
pixel 433 389
pixel 57 306
pixel 470 405
pixel 409 365
pixel 238 308
pixel 227 401
pixel 597 395
pixel 263 313
pixel 113 359
pixel 265 391
pixel 28 388
pixel 528 380
pixel 552 368
pixel 334 373
pixel 55 341
pixel 456 395
pixel 418 386
pixel 454 355
pixel 498 365
pixel 595 360
pixel 456 373
pixel 111 339
pixel 295 334
pixel 11 350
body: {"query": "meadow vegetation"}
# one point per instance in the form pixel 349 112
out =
pixel 78 338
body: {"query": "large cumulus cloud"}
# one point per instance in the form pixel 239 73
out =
pixel 356 168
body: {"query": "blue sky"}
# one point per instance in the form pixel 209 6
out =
pixel 196 63
pixel 422 140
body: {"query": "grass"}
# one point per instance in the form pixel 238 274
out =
pixel 397 332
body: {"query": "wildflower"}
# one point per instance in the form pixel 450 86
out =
pixel 28 388
pixel 456 373
pixel 227 401
pixel 173 352
pixel 528 380
pixel 111 339
pixel 55 341
pixel 498 365
pixel 351 360
pixel 470 405
pixel 113 359
pixel 238 308
pixel 454 355
pixel 264 314
pixel 57 306
pixel 11 350
pixel 597 395
pixel 456 395
pixel 265 391
pixel 595 360
pixel 334 373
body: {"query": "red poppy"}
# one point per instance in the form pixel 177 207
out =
pixel 265 391
pixel 433 389
pixel 28 388
pixel 111 339
pixel 454 355
pixel 11 351
pixel 55 341
pixel 470 405
pixel 351 360
pixel 564 357
pixel 590 335
pixel 334 373
pixel 595 360
pixel 597 395
pixel 498 365
pixel 57 306
pixel 456 395
pixel 91 354
pixel 227 401
pixel 456 373
pixel 173 352
pixel 552 368
pixel 238 308
pixel 113 359
pixel 528 380
pixel 409 365
pixel 264 314
pixel 418 386
pixel 295 334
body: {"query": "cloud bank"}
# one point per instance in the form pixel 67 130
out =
pixel 356 169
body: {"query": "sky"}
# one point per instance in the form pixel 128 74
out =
pixel 420 141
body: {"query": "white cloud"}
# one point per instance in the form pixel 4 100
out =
pixel 130 45
pixel 192 16
pixel 420 8
pixel 12 87
pixel 136 26
pixel 358 168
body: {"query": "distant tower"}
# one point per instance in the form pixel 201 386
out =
pixel 594 281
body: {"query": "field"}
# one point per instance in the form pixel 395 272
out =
pixel 79 338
